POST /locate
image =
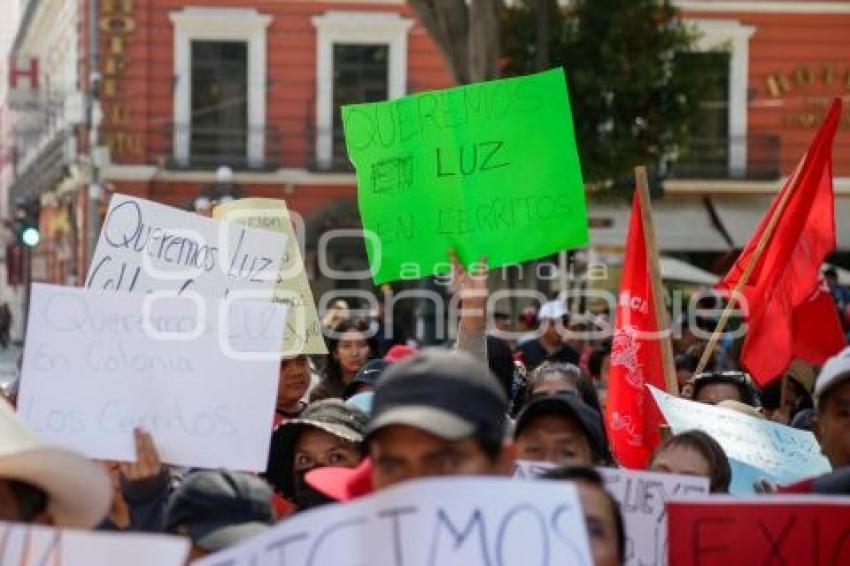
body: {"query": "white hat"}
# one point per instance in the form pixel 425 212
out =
pixel 553 310
pixel 79 491
pixel 836 370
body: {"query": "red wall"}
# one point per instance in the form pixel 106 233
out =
pixel 143 99
pixel 782 46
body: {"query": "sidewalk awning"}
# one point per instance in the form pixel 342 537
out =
pixel 681 224
pixel 741 214
pixel 673 269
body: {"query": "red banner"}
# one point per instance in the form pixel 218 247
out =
pixel 814 531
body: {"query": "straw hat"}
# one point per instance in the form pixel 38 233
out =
pixel 79 491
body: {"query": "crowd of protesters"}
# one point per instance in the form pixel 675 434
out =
pixel 373 413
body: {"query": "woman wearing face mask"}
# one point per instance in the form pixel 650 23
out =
pixel 328 433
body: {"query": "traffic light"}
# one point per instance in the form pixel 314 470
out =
pixel 26 223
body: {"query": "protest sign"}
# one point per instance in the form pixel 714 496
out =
pixel 303 332
pixel 530 469
pixel 200 375
pixel 642 497
pixel 27 545
pixel 488 169
pixel 771 530
pixel 445 521
pixel 757 449
pixel 145 246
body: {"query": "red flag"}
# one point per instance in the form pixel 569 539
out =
pixel 631 417
pixel 786 317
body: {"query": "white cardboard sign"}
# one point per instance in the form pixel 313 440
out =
pixel 145 246
pixel 643 497
pixel 26 545
pixel 200 375
pixel 756 448
pixel 461 521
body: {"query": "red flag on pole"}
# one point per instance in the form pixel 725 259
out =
pixel 786 316
pixel 631 417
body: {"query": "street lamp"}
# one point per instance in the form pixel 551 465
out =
pixel 224 190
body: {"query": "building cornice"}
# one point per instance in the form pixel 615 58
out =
pixel 841 186
pixel 285 176
pixel 763 7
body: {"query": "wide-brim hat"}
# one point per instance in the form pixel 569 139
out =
pixel 79 491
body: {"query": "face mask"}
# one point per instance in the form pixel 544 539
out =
pixel 304 496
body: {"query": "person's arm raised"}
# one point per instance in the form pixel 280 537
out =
pixel 471 287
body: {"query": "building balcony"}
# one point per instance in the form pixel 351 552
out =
pixel 181 147
pixel 749 158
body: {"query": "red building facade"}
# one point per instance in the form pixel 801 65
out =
pixel 189 87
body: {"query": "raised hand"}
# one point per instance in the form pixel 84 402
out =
pixel 147 465
pixel 471 287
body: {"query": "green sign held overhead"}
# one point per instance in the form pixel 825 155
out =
pixel 489 169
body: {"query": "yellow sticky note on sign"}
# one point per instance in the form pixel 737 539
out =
pixel 303 332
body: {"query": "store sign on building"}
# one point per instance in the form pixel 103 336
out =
pixel 23 84
pixel 117 23
pixel 817 84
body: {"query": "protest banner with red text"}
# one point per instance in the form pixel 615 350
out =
pixel 774 530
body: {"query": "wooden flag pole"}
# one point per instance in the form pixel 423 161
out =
pixel 748 271
pixel 658 298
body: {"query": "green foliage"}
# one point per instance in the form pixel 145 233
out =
pixel 636 83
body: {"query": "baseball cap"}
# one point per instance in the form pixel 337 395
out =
pixel 220 508
pixel 553 310
pixel 835 371
pixel 330 415
pixel 573 408
pixel 448 394
pixel 367 375
pixel 398 352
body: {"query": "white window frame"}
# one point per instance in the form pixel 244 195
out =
pixel 354 28
pixel 220 24
pixel 734 37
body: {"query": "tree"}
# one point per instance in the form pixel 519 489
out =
pixel 467 34
pixel 636 84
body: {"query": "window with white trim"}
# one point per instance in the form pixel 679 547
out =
pixel 732 37
pixel 361 57
pixel 219 111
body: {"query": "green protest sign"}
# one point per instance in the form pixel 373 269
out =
pixel 485 169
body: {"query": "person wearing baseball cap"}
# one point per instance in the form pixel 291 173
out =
pixel 45 485
pixel 216 509
pixel 831 423
pixel 563 430
pixel 438 413
pixel 554 319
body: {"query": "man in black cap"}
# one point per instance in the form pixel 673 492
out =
pixel 438 413
pixel 216 509
pixel 563 430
